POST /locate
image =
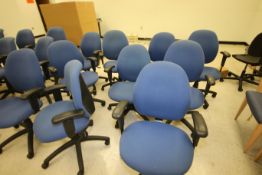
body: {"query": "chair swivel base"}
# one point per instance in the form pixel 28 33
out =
pixel 29 130
pixel 77 142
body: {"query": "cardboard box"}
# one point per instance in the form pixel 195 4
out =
pixel 76 18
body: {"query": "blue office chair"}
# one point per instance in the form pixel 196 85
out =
pixel 190 56
pixel 2 33
pixel 7 45
pixel 151 147
pixel 130 62
pixel 114 41
pixel 209 43
pixel 23 72
pixel 159 45
pixel 57 33
pixel 68 118
pixel 91 48
pixel 25 39
pixel 41 53
pixel 61 52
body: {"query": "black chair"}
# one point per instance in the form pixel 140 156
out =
pixel 252 58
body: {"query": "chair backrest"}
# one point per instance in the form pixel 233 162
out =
pixel 131 60
pixel 255 48
pixel 23 71
pixel 7 45
pixel 25 37
pixel 41 47
pixel 61 52
pixel 208 41
pixel 159 45
pixel 114 41
pixel 81 96
pixel 162 91
pixel 189 55
pixel 2 33
pixel 90 42
pixel 57 33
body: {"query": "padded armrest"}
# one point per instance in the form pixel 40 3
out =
pixel 43 62
pixel 33 93
pixel 120 109
pixel 210 80
pixel 98 52
pixel 225 54
pixel 200 127
pixel 29 46
pixel 109 69
pixel 52 69
pixel 75 114
pixel 50 89
pixel 93 59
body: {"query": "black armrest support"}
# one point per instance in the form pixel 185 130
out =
pixel 199 130
pixel 210 80
pixel 120 109
pixel 33 97
pixel 29 46
pixel 224 58
pixel 67 118
pixel 55 90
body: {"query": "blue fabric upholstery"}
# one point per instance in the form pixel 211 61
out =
pixel 41 47
pixel 13 111
pixel 122 91
pixel 114 41
pixel 158 88
pixel 2 72
pixel 196 98
pixel 111 63
pixel 209 42
pixel 45 131
pixel 61 52
pixel 7 45
pixel 159 45
pixel 254 100
pixel 23 71
pixel 25 37
pixel 90 78
pixel 2 33
pixel 210 71
pixel 57 33
pixel 189 55
pixel 154 148
pixel 90 43
pixel 87 64
pixel 131 61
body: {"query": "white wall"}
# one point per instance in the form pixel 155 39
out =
pixel 231 19
pixel 18 14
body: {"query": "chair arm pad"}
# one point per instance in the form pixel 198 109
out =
pixel 29 46
pixel 43 62
pixel 33 93
pixel 52 69
pixel 120 109
pixel 51 89
pixel 109 68
pixel 92 59
pixel 210 80
pixel 74 114
pixel 98 52
pixel 200 126
pixel 225 54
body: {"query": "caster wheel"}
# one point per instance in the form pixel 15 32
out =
pixel 229 74
pixel 214 95
pixel 30 155
pixel 80 173
pixel 45 165
pixel 1 151
pixel 240 89
pixel 205 106
pixel 94 93
pixel 106 80
pixel 91 123
pixel 16 126
pixel 109 108
pixel 107 142
pixel 103 104
pixel 221 80
pixel 102 88
pixel 116 125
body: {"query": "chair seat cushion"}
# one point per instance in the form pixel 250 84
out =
pixel 196 98
pixel 87 64
pixel 90 78
pixel 46 131
pixel 254 100
pixel 248 59
pixel 210 71
pixel 122 91
pixel 156 148
pixel 2 72
pixel 110 63
pixel 13 111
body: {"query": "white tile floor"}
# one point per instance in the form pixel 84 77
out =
pixel 220 153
